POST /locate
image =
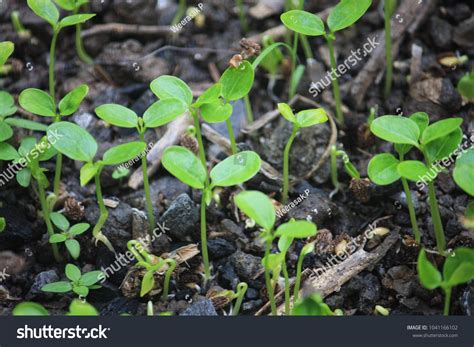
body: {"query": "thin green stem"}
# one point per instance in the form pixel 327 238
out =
pixel 334 175
pixel 306 47
pixel 411 210
pixel 241 290
pixel 166 285
pixel 242 17
pixel 388 50
pixel 205 255
pixel 81 52
pixel 293 63
pixel 287 286
pixel 299 270
pixel 230 130
pixel 52 59
pixel 202 153
pixel 248 109
pixel 180 13
pixel 335 81
pixel 447 301
pixel 49 225
pixel 286 163
pixel 268 281
pixel 104 214
pixel 57 174
pixel 146 187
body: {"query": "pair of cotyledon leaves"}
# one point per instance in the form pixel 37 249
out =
pixel 50 13
pixel 343 15
pixel 438 140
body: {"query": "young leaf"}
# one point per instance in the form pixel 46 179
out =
pixel 26 124
pixel 284 243
pixel 211 95
pixel 312 306
pixel 148 282
pixel 3 224
pixel 78 229
pixel 421 119
pixel 73 272
pixel 91 278
pixel 60 221
pixel 429 276
pixel 216 112
pixel 463 173
pixel 300 229
pixel 236 169
pixel 286 112
pixel 27 308
pixel 7 104
pixel 346 13
pixel 5 131
pixel 258 207
pixel 459 267
pixel 382 169
pixel 88 171
pixel 57 238
pixel 440 129
pixel 303 22
pixel 465 86
pixel 307 249
pixel 117 115
pixel 184 165
pixel 57 287
pixel 237 82
pixel 166 87
pixel 80 290
pixel 122 153
pixel 79 308
pixel 37 102
pixel 73 141
pixel 72 100
pixel 68 5
pixel 311 117
pixel 73 247
pixel 23 177
pixel 443 147
pixel 396 129
pixel 414 170
pixel 46 10
pixel 6 50
pixel 8 152
pixel 75 19
pixel 163 112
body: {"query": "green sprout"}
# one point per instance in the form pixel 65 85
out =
pixel 76 308
pixel 389 7
pixel 3 224
pixel 302 119
pixel 344 14
pixel 29 155
pixel 6 50
pixel 348 166
pixel 242 17
pixel 67 234
pixel 458 269
pixel 241 290
pixel 436 142
pixel 158 114
pixel 234 170
pixel 78 283
pixel 18 25
pixel 466 86
pixel 307 249
pixel 41 103
pixel 152 265
pixel 180 12
pixel 49 12
pixel 74 6
pixel 77 144
pixel 313 306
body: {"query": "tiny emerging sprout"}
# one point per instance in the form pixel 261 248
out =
pixel 77 144
pixel 152 265
pixel 389 7
pixel 234 170
pixel 307 249
pixel 302 119
pixel 78 283
pixel 436 142
pixel 120 172
pixel 68 233
pixel 466 86
pixel 149 308
pixel 380 310
pixel 312 306
pixel 343 15
pixel 18 26
pixel 458 269
pixel 241 290
pixel 348 166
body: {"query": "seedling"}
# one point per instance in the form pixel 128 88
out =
pixel 239 296
pixel 158 114
pixel 76 308
pixel 348 166
pixel 436 141
pixel 6 50
pixel 344 14
pixel 74 6
pixel 152 265
pixel 41 103
pixel 466 86
pixel 302 119
pixel 18 26
pixel 389 7
pixel 67 234
pixel 78 283
pixel 49 12
pixel 312 306
pixel 28 157
pixel 234 170
pixel 77 144
pixel 458 269
pixel 307 249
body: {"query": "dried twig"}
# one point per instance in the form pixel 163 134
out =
pixel 126 29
